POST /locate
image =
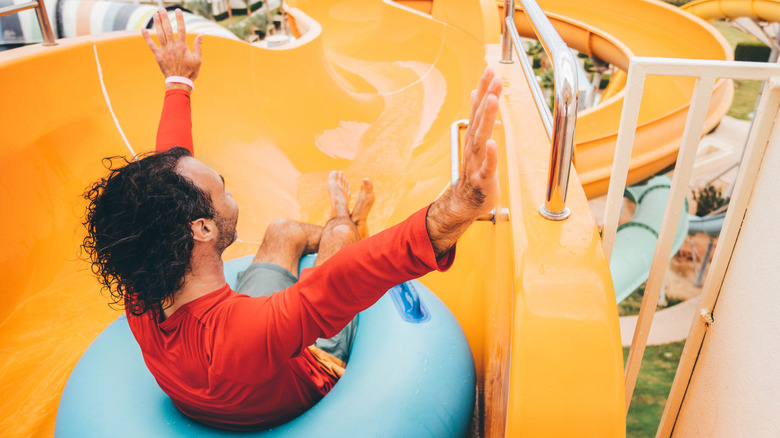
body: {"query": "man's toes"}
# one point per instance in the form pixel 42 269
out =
pixel 337 181
pixel 364 202
pixel 333 183
pixel 344 183
pixel 338 188
pixel 367 189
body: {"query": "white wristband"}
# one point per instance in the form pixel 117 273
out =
pixel 179 80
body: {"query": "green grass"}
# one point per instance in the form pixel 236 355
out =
pixel 745 92
pixel 630 306
pixel 745 95
pixel 652 388
pixel 732 34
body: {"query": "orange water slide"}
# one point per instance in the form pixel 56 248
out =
pixel 372 89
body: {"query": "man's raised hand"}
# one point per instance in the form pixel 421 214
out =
pixel 478 182
pixel 173 56
pixel 476 192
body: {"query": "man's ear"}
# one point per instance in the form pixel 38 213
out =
pixel 203 230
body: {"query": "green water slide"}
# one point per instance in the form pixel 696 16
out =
pixel 635 240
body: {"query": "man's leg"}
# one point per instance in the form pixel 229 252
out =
pixel 342 229
pixel 363 206
pixel 286 241
pixel 275 267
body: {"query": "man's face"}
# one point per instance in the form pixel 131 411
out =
pixel 211 182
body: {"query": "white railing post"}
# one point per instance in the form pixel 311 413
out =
pixel 697 114
pixel 629 117
pixel 765 125
pixel 706 73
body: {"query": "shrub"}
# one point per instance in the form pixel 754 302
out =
pixel 708 200
pixel 199 7
pixel 752 51
pixel 604 81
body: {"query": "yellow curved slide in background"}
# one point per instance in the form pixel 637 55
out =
pixel 615 30
pixel 764 10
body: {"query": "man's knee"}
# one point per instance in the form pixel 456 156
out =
pixel 283 235
pixel 345 232
pixel 284 228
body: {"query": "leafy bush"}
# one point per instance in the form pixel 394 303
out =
pixel 604 81
pixel 752 51
pixel 199 7
pixel 255 24
pixel 708 200
pixel 587 63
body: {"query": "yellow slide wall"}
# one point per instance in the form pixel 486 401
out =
pixel 373 93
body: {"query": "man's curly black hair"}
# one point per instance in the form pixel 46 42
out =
pixel 139 239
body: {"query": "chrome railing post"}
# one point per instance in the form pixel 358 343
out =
pixel 43 18
pixel 562 148
pixel 560 125
pixel 43 21
pixel 506 40
pixel 530 76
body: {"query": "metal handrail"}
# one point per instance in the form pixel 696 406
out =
pixel 530 76
pixel 43 18
pixel 560 125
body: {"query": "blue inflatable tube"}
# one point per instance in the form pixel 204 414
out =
pixel 410 374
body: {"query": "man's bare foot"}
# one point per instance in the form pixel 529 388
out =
pixel 338 188
pixel 363 206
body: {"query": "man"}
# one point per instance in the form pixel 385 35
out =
pixel 157 228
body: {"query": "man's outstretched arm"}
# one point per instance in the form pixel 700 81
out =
pixel 476 192
pixel 175 59
pixel 327 297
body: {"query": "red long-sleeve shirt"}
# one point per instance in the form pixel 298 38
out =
pixel 238 362
pixel 175 127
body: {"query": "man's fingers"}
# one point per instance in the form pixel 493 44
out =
pixel 483 128
pixel 158 27
pixel 490 163
pixel 180 26
pixel 148 40
pixel 485 86
pixel 166 24
pixel 197 47
pixel 489 89
pixel 484 83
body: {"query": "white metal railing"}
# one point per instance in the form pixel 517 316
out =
pixel 706 74
pixel 560 124
pixel 43 18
